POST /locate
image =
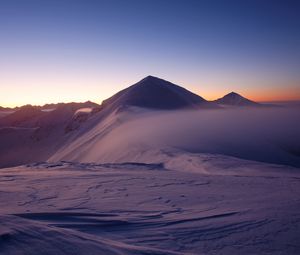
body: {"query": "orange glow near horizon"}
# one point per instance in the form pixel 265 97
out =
pixel 97 87
pixel 275 95
pixel 259 95
pixel 93 49
pixel 270 96
pixel 56 94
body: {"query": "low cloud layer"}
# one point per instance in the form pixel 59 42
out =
pixel 268 135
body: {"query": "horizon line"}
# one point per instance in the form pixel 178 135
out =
pixel 211 99
pixel 77 101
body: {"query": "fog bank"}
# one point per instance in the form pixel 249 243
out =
pixel 268 135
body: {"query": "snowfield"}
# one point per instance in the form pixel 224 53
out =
pixel 229 206
pixel 139 135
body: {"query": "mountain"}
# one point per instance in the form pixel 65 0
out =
pixel 75 105
pixel 33 116
pixel 156 93
pixel 4 111
pixel 5 108
pixel 49 106
pixel 235 99
pixel 23 116
pixel 116 132
pixel 31 134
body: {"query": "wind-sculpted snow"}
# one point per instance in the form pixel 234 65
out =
pixel 227 206
pixel 19 236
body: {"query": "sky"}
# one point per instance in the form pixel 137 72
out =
pixel 71 50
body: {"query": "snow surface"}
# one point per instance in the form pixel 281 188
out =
pixel 48 110
pixel 127 180
pixel 132 134
pixel 84 110
pixel 229 206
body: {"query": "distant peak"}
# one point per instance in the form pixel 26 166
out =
pixel 236 99
pixel 233 94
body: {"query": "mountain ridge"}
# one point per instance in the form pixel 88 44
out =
pixel 154 93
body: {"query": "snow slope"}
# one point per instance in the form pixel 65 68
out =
pixel 229 206
pixel 139 135
pixel 150 171
pixel 150 115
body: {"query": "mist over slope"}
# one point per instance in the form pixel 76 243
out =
pixel 145 174
pixel 267 135
pixel 149 116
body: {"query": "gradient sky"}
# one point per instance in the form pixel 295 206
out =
pixel 69 50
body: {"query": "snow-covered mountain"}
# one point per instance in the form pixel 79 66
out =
pixel 235 99
pixel 5 108
pixel 32 134
pixel 42 130
pixel 155 169
pixel 139 121
pixel 24 116
pixel 155 93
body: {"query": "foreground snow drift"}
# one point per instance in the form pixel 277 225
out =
pixel 229 206
pixel 19 236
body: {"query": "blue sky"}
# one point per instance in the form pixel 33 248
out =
pixel 87 50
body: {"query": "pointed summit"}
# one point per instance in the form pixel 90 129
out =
pixel 156 93
pixel 148 80
pixel 235 99
pixel 233 94
pixel 150 77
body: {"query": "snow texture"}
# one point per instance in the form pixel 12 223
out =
pixel 229 206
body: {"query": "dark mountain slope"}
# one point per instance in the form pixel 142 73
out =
pixel 234 99
pixel 156 93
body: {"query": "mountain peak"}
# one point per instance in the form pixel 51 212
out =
pixel 153 92
pixel 151 77
pixel 148 80
pixel 235 99
pixel 232 93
